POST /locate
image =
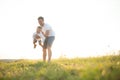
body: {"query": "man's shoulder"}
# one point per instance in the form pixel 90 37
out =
pixel 47 25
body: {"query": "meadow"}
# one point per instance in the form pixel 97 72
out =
pixel 92 68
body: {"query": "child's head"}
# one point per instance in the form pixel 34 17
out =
pixel 39 29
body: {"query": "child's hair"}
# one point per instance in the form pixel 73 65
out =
pixel 39 27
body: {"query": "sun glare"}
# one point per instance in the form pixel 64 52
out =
pixel 83 28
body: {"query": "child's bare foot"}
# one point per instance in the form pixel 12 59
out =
pixel 35 45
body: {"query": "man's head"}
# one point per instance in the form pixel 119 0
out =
pixel 41 20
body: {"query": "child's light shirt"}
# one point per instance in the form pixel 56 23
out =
pixel 42 38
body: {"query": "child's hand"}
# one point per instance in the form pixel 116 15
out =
pixel 37 37
pixel 42 32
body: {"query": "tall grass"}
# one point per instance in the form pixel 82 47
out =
pixel 97 68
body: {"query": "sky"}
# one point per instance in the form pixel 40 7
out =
pixel 83 28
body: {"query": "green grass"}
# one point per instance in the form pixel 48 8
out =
pixel 99 68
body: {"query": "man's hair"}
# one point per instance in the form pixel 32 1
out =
pixel 41 18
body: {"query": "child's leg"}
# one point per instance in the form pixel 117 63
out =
pixel 34 42
pixel 40 43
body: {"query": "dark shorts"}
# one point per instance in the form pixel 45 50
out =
pixel 48 42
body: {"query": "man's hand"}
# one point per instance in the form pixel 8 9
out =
pixel 46 33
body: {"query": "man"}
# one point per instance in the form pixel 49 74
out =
pixel 49 38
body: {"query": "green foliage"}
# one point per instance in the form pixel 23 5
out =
pixel 97 68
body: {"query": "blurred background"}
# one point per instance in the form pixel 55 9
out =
pixel 83 28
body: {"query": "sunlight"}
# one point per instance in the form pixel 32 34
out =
pixel 87 28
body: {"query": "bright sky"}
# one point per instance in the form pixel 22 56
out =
pixel 83 27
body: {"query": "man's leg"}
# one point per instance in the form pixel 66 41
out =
pixel 44 54
pixel 44 50
pixel 49 45
pixel 49 54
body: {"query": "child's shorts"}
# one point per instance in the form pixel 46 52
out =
pixel 34 41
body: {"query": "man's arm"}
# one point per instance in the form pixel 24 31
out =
pixel 46 34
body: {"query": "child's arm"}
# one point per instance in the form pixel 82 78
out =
pixel 40 43
pixel 37 36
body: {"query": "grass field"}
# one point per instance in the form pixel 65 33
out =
pixel 95 68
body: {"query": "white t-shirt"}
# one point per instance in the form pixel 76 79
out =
pixel 48 27
pixel 42 38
